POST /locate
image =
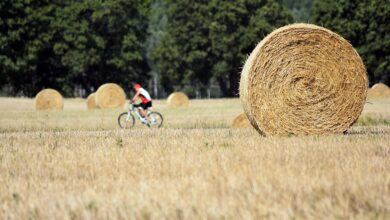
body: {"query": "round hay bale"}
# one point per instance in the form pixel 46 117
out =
pixel 240 121
pixel 379 90
pixel 177 99
pixel 303 79
pixel 49 99
pixel 91 102
pixel 110 95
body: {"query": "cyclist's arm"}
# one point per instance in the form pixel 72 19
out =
pixel 135 96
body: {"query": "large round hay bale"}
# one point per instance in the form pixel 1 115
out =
pixel 91 102
pixel 177 99
pixel 379 90
pixel 49 99
pixel 240 121
pixel 303 79
pixel 110 95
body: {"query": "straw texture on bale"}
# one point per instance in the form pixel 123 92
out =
pixel 303 79
pixel 49 99
pixel 110 95
pixel 379 90
pixel 177 99
pixel 241 121
pixel 91 102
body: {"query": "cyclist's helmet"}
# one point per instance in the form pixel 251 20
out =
pixel 137 86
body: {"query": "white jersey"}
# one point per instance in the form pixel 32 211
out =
pixel 146 96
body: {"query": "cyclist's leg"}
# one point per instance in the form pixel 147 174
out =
pixel 142 108
pixel 139 107
pixel 143 113
pixel 149 110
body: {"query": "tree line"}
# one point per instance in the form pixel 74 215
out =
pixel 165 44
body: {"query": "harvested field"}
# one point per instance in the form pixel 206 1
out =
pixel 77 164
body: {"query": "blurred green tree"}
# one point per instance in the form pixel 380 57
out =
pixel 235 30
pixel 181 57
pixel 206 39
pixel 156 31
pixel 27 62
pixel 366 25
pixel 64 44
pixel 102 41
pixel 300 10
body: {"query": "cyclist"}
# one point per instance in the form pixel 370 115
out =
pixel 146 101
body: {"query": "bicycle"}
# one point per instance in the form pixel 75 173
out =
pixel 126 120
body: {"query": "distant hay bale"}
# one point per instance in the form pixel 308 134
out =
pixel 177 99
pixel 49 99
pixel 241 121
pixel 303 79
pixel 110 95
pixel 379 90
pixel 91 102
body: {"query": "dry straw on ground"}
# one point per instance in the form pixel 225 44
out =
pixel 303 79
pixel 91 102
pixel 110 95
pixel 77 164
pixel 241 121
pixel 379 90
pixel 177 99
pixel 49 99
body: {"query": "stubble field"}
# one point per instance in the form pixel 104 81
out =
pixel 77 164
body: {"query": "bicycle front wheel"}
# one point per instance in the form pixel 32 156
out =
pixel 155 120
pixel 126 120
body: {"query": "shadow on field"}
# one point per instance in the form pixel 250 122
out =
pixel 368 131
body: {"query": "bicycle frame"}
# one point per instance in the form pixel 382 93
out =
pixel 152 118
pixel 132 109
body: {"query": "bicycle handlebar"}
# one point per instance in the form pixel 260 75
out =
pixel 131 106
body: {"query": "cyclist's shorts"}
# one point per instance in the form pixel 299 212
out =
pixel 145 105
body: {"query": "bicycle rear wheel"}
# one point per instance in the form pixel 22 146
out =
pixel 155 120
pixel 126 120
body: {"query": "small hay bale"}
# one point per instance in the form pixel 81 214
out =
pixel 379 90
pixel 177 99
pixel 91 102
pixel 240 121
pixel 303 79
pixel 49 99
pixel 110 95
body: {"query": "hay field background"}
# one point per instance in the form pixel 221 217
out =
pixel 77 164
